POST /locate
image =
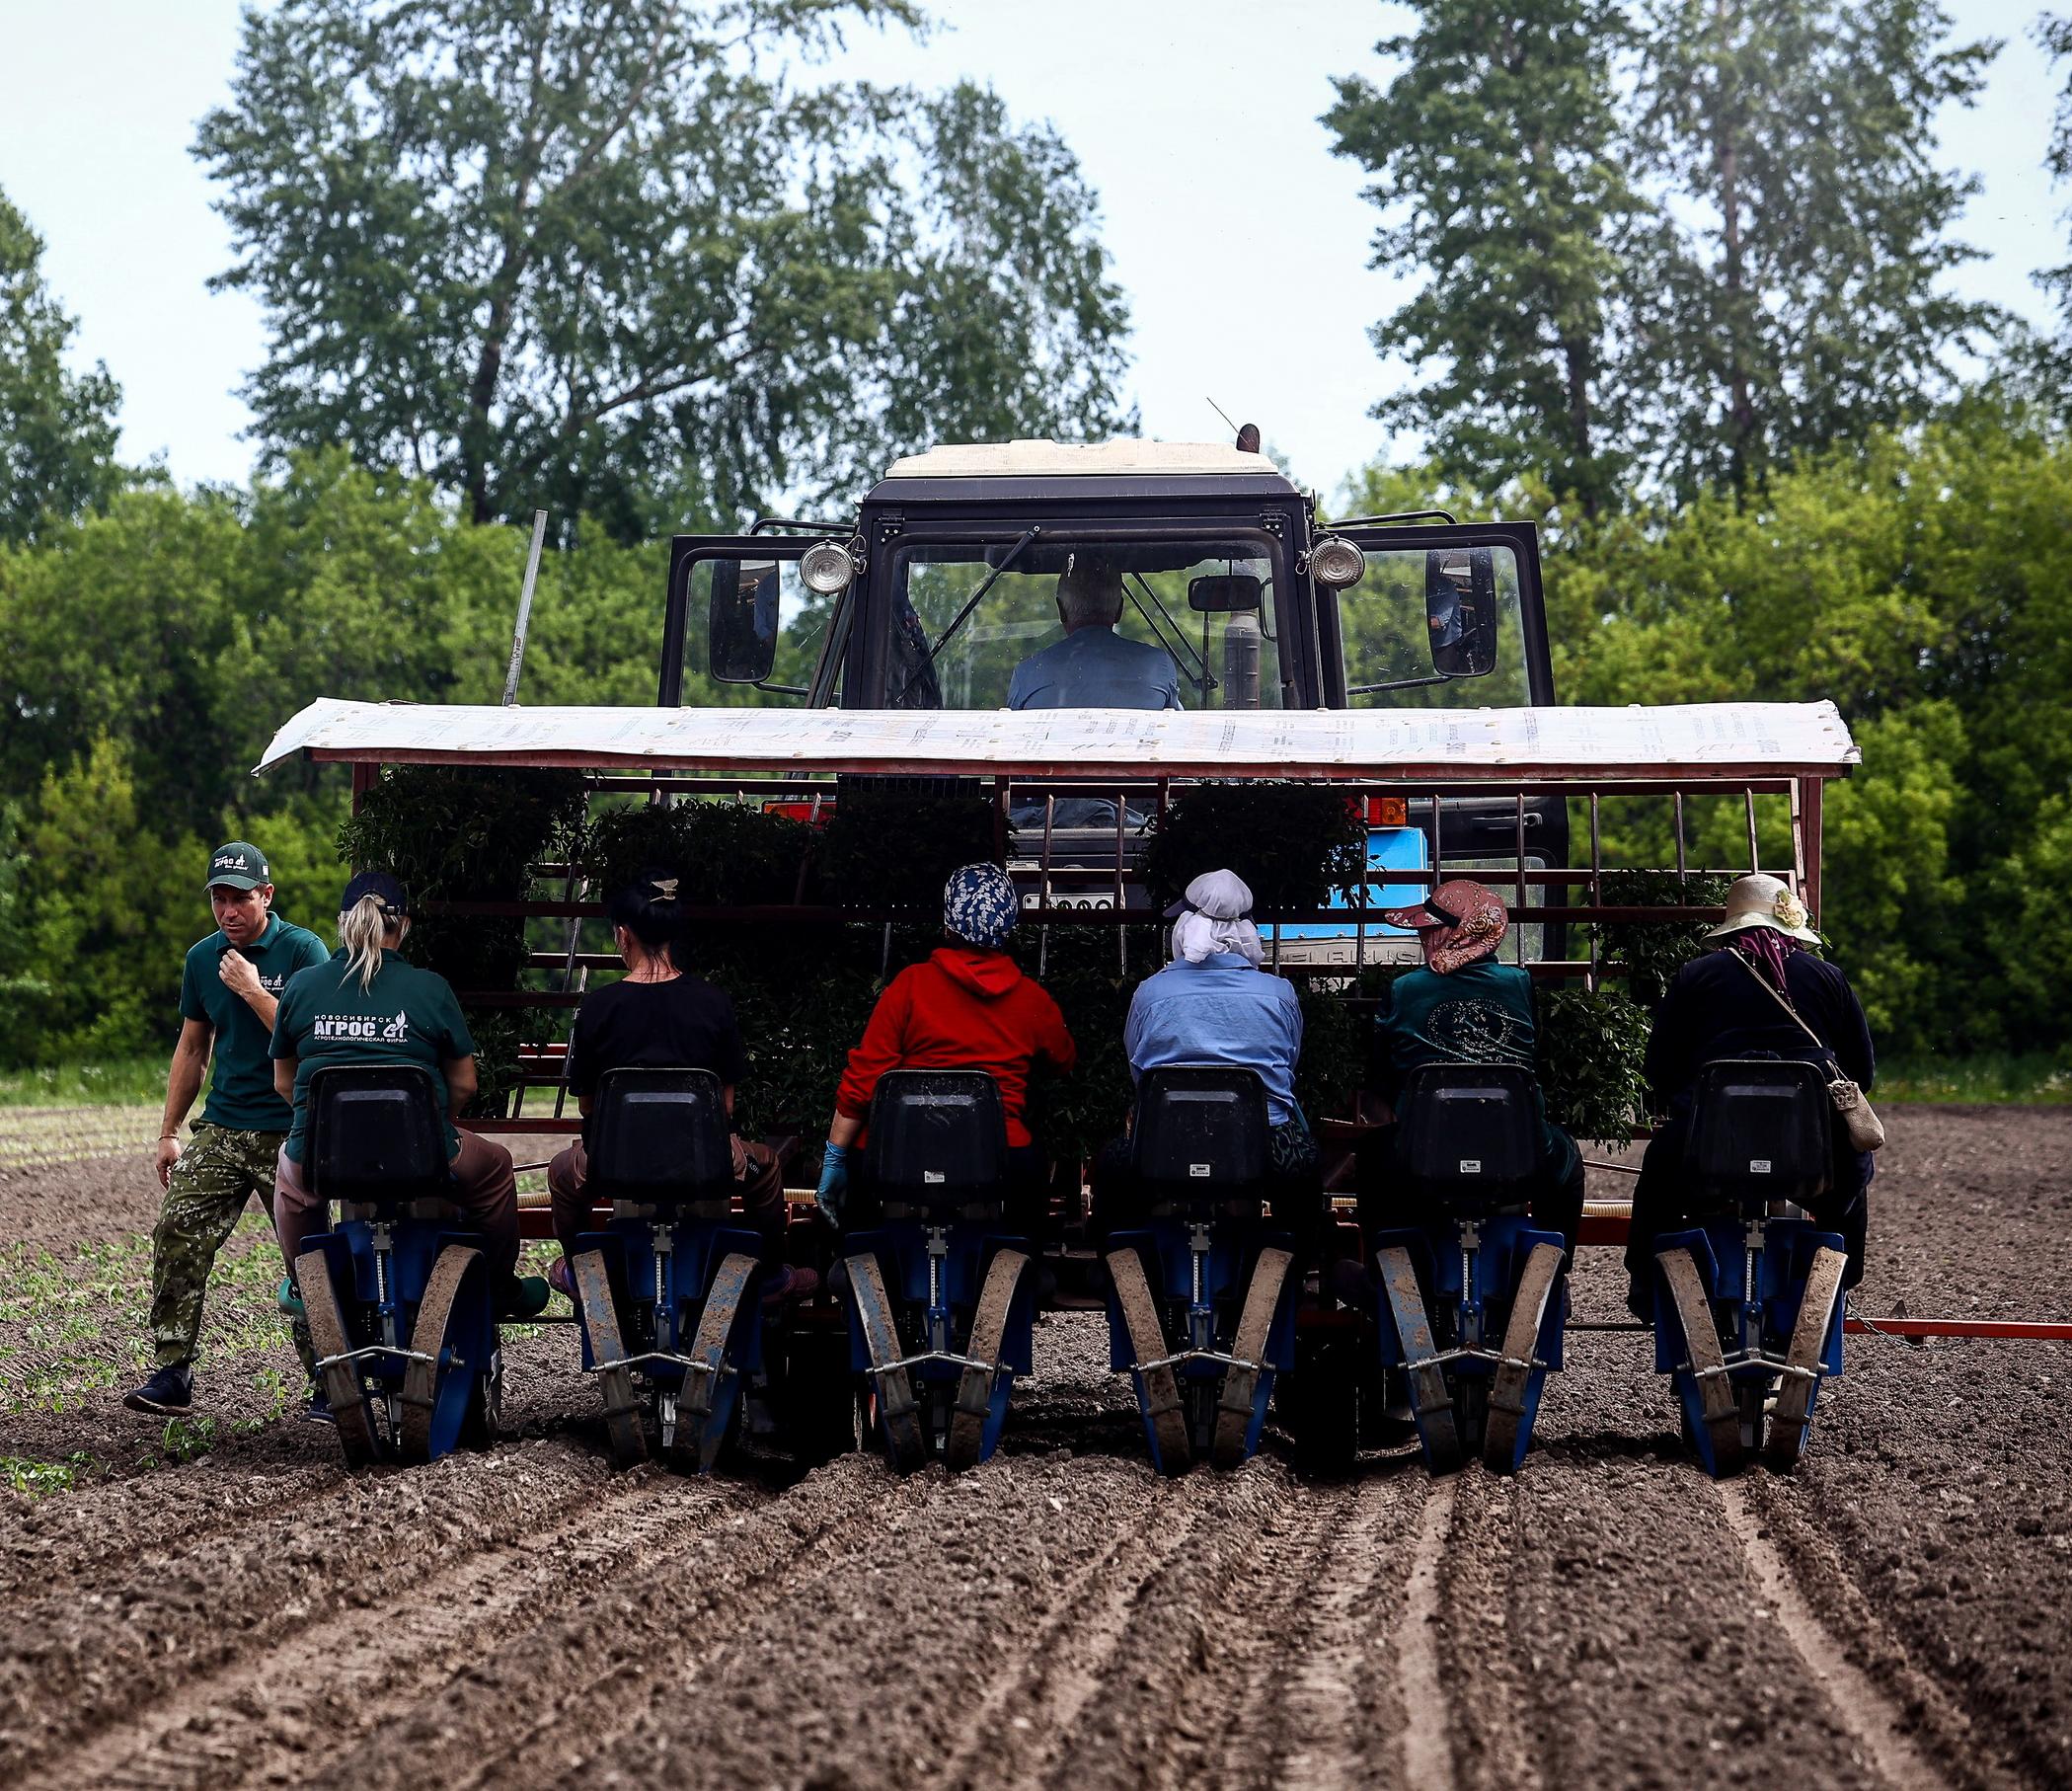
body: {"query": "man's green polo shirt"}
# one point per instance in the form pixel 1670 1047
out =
pixel 408 1016
pixel 240 1094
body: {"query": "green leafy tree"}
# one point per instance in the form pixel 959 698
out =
pixel 1497 152
pixel 2049 364
pixel 57 428
pixel 1796 279
pixel 595 256
pixel 109 926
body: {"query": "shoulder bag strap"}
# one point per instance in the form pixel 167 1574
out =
pixel 1763 984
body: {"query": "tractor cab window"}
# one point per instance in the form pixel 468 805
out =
pixel 1437 628
pixel 1041 621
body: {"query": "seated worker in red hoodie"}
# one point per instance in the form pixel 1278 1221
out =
pixel 967 1007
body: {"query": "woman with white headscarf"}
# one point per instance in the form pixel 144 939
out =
pixel 1213 1004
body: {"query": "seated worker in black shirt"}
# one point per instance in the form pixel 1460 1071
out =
pixel 1760 994
pixel 655 1017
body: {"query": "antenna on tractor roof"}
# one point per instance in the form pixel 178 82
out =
pixel 1247 434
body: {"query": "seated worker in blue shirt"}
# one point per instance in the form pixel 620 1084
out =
pixel 1092 666
pixel 1215 1004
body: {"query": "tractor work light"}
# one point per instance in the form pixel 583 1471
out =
pixel 1336 564
pixel 827 567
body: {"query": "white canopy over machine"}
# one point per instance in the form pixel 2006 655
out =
pixel 1713 739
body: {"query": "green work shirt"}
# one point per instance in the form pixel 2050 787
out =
pixel 240 1094
pixel 408 1016
pixel 1481 1013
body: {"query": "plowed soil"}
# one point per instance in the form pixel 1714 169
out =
pixel 1895 1614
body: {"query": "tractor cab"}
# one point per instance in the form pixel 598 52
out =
pixel 950 587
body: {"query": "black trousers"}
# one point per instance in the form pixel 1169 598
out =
pixel 1385 1205
pixel 1661 1204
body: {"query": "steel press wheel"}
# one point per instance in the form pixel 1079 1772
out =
pixel 974 1393
pixel 899 1419
pixel 601 1318
pixel 343 1387
pixel 438 1392
pixel 1159 1389
pixel 1717 1404
pixel 711 1400
pixel 1430 1400
pixel 1500 1450
pixel 1238 1406
pixel 1794 1401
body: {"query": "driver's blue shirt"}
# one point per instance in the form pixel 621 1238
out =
pixel 1096 668
pixel 1219 1011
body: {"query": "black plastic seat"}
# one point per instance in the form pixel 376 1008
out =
pixel 376 1141
pixel 661 1139
pixel 1200 1134
pixel 1761 1131
pixel 1468 1137
pixel 938 1140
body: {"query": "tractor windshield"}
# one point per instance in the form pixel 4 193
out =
pixel 1043 621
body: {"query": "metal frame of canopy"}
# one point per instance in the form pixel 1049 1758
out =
pixel 1421 759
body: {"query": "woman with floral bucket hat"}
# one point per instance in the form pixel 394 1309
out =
pixel 1764 992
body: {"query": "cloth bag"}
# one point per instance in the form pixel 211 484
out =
pixel 1865 1129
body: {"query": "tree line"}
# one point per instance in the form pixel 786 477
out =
pixel 1682 292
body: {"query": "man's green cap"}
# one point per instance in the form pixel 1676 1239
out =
pixel 237 866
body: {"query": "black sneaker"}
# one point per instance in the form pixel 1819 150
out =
pixel 318 1411
pixel 170 1393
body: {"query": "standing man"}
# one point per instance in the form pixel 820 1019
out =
pixel 228 993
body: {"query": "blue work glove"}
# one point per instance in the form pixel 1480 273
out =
pixel 834 1180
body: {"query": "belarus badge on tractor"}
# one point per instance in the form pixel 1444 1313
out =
pixel 398 1292
pixel 1748 1300
pixel 941 1296
pixel 1198 1311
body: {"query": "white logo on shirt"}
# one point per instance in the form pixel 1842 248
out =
pixel 356 1026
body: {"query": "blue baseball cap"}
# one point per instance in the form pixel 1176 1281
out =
pixel 379 885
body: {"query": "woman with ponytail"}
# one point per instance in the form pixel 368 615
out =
pixel 368 1006
pixel 657 1017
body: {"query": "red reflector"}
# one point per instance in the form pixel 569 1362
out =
pixel 795 811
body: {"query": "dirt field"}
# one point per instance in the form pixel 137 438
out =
pixel 219 1604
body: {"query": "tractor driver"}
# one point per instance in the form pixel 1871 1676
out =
pixel 1092 666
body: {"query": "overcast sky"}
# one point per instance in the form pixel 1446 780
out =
pixel 1240 239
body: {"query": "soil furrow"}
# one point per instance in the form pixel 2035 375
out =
pixel 1194 1638
pixel 1334 1724
pixel 585 1680
pixel 260 1718
pixel 1495 1748
pixel 1297 1561
pixel 1881 1725
pixel 158 1516
pixel 173 1619
pixel 1016 1725
pixel 1427 1741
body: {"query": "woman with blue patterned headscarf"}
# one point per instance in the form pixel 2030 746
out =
pixel 969 1006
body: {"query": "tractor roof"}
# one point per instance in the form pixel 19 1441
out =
pixel 1046 459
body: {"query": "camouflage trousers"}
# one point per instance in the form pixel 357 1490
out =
pixel 218 1172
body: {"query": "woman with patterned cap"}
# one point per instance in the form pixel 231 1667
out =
pixel 1759 995
pixel 968 1006
pixel 1465 1007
